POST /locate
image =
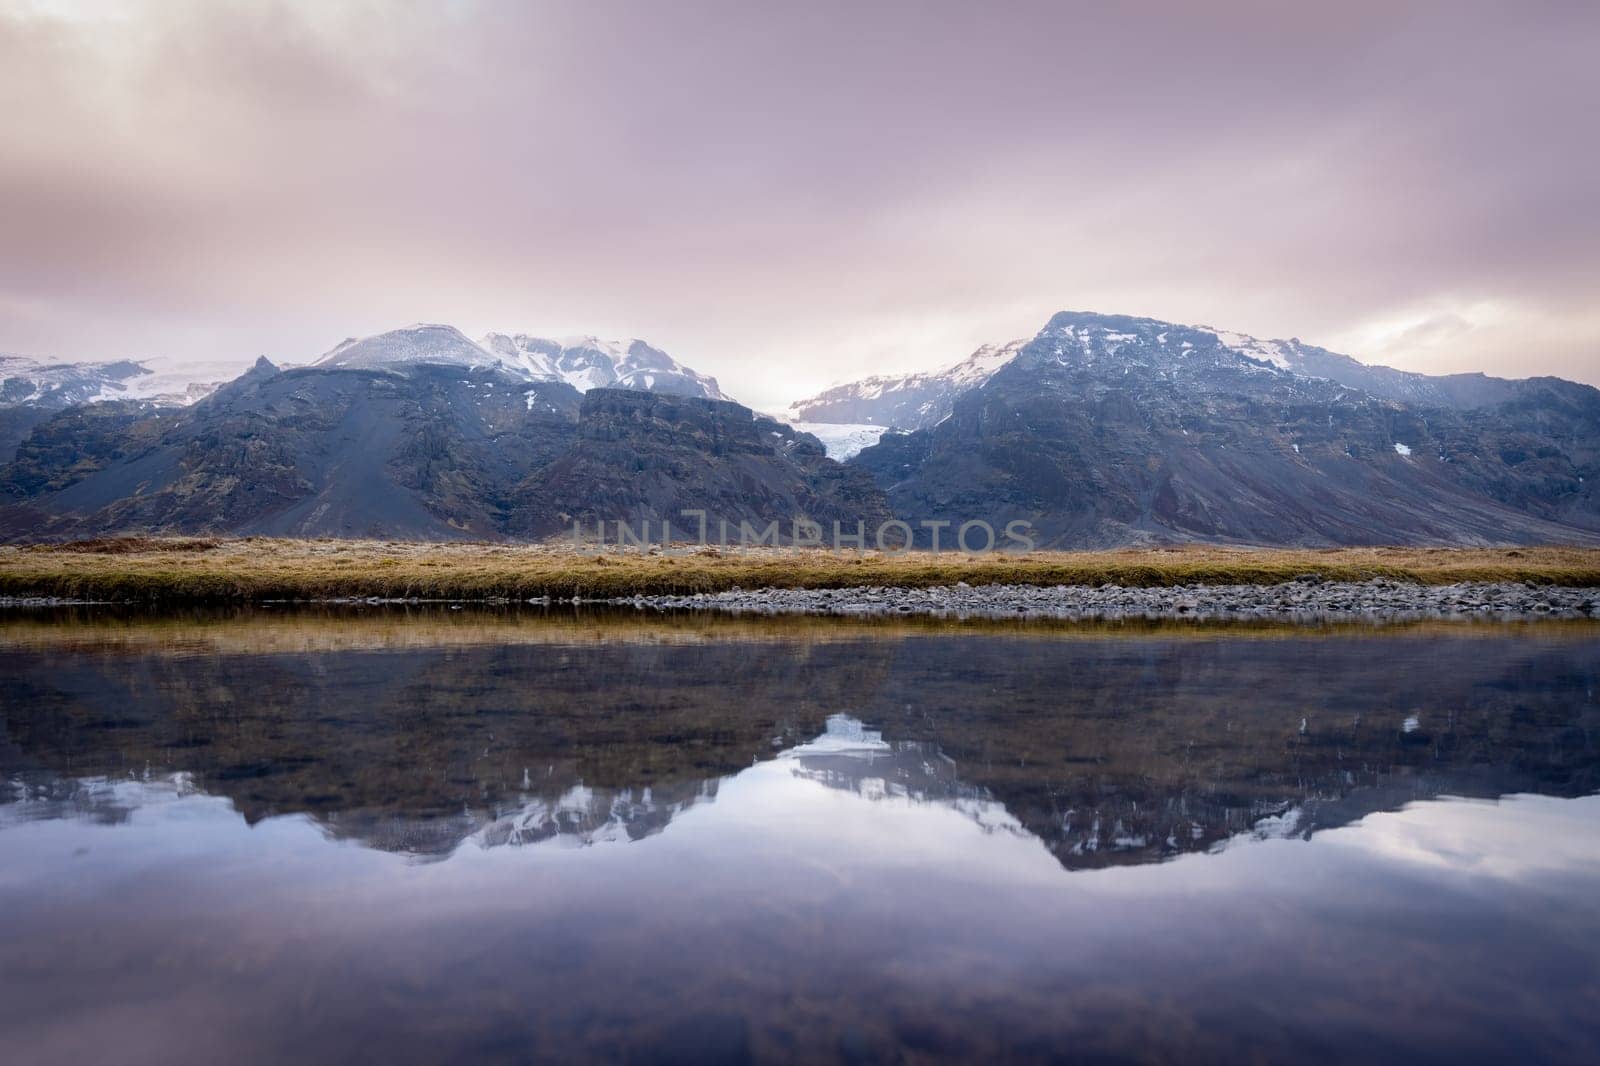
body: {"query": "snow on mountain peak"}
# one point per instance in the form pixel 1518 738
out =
pixel 589 362
pixel 919 400
pixel 423 342
pixel 1089 336
pixel 981 365
pixel 1278 353
pixel 909 401
pixel 30 382
pixel 584 362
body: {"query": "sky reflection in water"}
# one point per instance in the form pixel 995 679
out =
pixel 850 893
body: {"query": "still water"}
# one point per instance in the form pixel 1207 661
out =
pixel 437 836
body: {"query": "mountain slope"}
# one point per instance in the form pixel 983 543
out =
pixel 437 452
pixel 917 401
pixel 646 457
pixel 1447 390
pixel 1109 430
pixel 305 452
pixel 30 391
pixel 909 401
pixel 56 385
pixel 588 362
pixel 398 348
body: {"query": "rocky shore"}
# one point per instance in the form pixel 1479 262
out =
pixel 1306 599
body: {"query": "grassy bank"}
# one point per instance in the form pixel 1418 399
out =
pixel 151 570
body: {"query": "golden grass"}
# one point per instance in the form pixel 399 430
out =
pixel 150 570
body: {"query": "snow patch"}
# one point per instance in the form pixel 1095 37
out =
pixel 583 362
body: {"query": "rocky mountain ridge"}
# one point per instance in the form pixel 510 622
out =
pixel 438 452
pixel 921 400
pixel 1102 430
pixel 906 401
pixel 31 390
pixel 1108 430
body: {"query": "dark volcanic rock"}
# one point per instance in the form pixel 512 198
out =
pixel 1111 430
pixel 646 457
pixel 1102 430
pixel 31 391
pixel 430 453
pixel 435 451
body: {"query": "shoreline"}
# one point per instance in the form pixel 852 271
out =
pixel 1305 599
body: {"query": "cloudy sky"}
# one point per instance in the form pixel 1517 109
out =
pixel 787 195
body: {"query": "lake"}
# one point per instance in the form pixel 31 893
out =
pixel 436 835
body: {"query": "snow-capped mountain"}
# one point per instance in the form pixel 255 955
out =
pixel 28 382
pixel 32 391
pixel 917 401
pixel 907 401
pixel 421 343
pixel 583 362
pixel 588 362
pixel 1110 429
pixel 1305 360
pixel 53 386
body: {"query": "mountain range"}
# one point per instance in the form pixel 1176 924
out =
pixel 1107 430
pixel 31 391
pixel 438 451
pixel 920 400
pixel 1100 430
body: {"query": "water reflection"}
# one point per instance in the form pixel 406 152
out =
pixel 1110 750
pixel 874 846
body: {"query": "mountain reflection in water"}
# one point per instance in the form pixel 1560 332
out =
pixel 829 844
pixel 1111 750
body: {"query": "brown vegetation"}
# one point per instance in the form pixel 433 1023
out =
pixel 155 570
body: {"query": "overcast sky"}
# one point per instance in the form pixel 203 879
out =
pixel 787 195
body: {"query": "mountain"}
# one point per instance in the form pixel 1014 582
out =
pixel 583 362
pixel 643 457
pixel 31 390
pixel 1445 390
pixel 442 451
pixel 917 401
pixel 52 386
pixel 1107 430
pixel 588 363
pixel 910 401
pixel 302 452
pixel 413 345
pixel 1101 430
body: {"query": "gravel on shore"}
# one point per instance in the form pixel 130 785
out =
pixel 1303 599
